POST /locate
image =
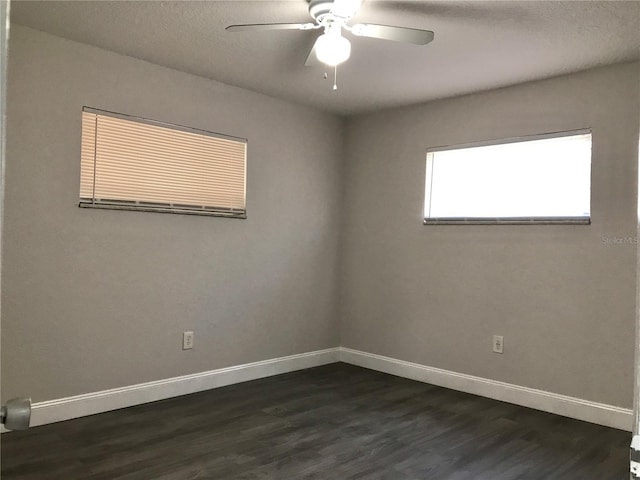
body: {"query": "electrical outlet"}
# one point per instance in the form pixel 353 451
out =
pixel 498 344
pixel 187 340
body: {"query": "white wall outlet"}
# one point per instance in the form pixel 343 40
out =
pixel 187 340
pixel 498 343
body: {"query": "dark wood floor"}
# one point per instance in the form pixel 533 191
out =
pixel 335 422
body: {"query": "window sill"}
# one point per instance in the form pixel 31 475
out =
pixel 509 221
pixel 157 209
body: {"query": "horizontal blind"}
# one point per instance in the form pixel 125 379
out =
pixel 135 163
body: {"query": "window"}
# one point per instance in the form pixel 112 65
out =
pixel 541 179
pixel 137 164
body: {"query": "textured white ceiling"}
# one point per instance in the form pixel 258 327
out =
pixel 478 44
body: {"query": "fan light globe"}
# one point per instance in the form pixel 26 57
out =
pixel 332 48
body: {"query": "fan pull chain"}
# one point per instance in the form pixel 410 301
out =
pixel 335 77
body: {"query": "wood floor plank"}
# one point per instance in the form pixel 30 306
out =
pixel 336 422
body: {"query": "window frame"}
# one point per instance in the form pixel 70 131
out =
pixel 559 220
pixel 127 205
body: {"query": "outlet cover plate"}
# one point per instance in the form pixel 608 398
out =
pixel 498 344
pixel 187 340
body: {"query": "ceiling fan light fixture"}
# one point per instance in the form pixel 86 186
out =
pixel 332 48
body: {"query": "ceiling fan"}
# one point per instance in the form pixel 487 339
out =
pixel 332 48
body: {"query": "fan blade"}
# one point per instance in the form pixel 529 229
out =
pixel 395 34
pixel 312 58
pixel 271 26
pixel 345 8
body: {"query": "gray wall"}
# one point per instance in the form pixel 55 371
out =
pixel 96 299
pixel 99 299
pixel 435 295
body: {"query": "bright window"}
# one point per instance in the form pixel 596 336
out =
pixel 137 164
pixel 542 179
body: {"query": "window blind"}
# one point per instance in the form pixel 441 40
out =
pixel 138 164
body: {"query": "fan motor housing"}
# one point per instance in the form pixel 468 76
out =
pixel 319 9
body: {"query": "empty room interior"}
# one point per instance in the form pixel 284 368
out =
pixel 377 239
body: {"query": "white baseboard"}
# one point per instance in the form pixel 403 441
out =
pixel 98 402
pixel 88 404
pixel 602 414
